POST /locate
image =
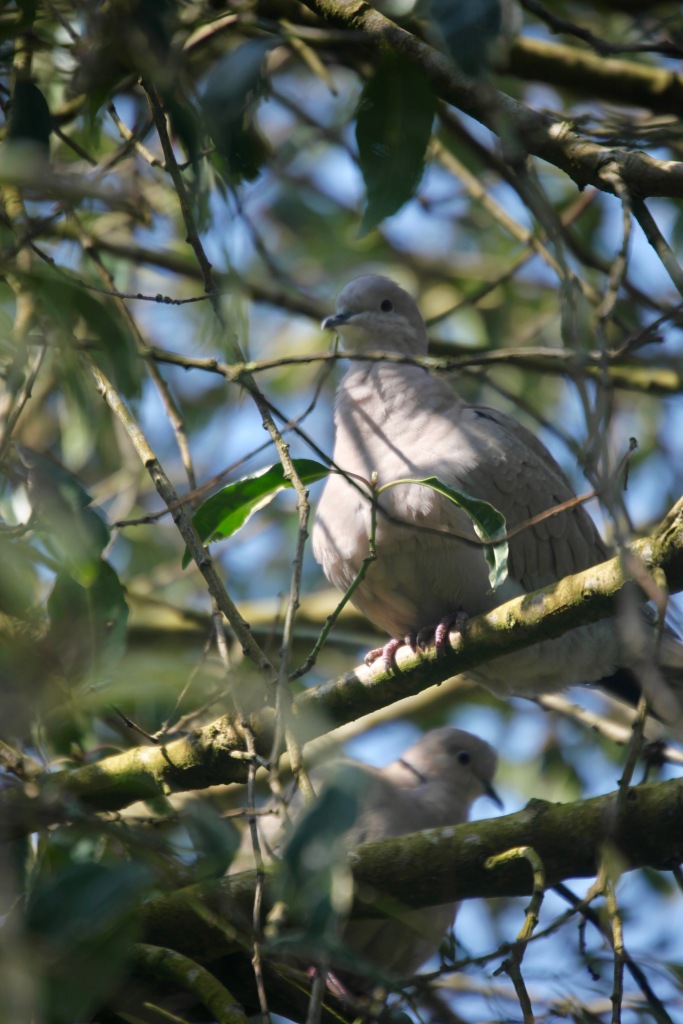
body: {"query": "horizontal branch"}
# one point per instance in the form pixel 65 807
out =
pixel 575 601
pixel 215 754
pixel 588 73
pixel 633 374
pixel 420 869
pixel 554 140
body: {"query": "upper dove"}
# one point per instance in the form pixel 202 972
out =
pixel 396 421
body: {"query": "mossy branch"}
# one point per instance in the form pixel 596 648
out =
pixel 584 161
pixel 418 870
pixel 215 754
pixel 590 74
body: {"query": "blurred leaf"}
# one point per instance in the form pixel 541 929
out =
pixel 214 839
pixel 29 118
pixel 229 509
pixel 81 924
pixel 66 302
pixel 18 579
pixel 117 40
pixel 393 127
pixel 184 122
pixel 74 531
pixel 468 30
pixel 315 880
pixel 488 524
pixel 230 96
pixel 88 623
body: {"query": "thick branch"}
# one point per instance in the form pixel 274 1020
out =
pixel 586 162
pixel 418 870
pixel 587 73
pixel 214 754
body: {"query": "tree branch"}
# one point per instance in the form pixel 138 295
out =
pixel 586 73
pixel 418 870
pixel 585 162
pixel 215 753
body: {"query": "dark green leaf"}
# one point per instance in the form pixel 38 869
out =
pixel 18 579
pixel 229 101
pixel 314 880
pixel 225 512
pixel 88 623
pixel 184 122
pixel 468 30
pixel 111 343
pixel 488 524
pixel 30 118
pixel 214 839
pixel 393 127
pixel 82 924
pixel 75 532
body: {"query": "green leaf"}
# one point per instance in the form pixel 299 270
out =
pixel 80 924
pixel 88 623
pixel 393 127
pixel 29 118
pixel 229 509
pixel 215 840
pixel 314 879
pixel 230 97
pixel 111 343
pixel 488 522
pixel 74 531
pixel 467 29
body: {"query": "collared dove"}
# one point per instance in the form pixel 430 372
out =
pixel 398 421
pixel 434 783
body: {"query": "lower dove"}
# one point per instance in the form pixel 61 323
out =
pixel 398 421
pixel 434 783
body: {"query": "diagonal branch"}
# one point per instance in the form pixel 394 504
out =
pixel 584 161
pixel 216 753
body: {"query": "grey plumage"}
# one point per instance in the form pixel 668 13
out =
pixel 399 421
pixel 434 783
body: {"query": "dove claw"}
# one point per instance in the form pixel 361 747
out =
pixel 456 621
pixel 386 653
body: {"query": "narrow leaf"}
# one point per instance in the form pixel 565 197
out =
pixel 112 344
pixel 229 101
pixel 489 524
pixel 29 118
pixel 229 509
pixel 393 127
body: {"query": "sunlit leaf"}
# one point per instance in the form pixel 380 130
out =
pixel 489 524
pixel 393 127
pixel 225 512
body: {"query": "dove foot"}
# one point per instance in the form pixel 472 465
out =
pixel 386 653
pixel 456 621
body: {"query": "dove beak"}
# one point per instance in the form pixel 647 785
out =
pixel 490 792
pixel 330 323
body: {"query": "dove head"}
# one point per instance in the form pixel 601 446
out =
pixel 374 315
pixel 453 766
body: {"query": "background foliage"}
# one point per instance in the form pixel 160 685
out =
pixel 185 187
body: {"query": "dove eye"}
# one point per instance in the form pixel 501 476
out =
pixel 464 757
pixel 386 305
